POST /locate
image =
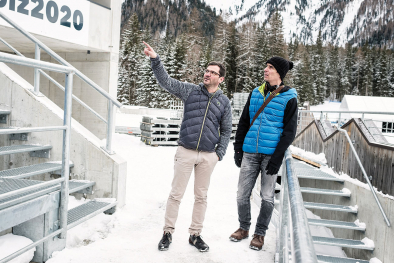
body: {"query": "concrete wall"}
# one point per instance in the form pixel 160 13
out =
pixel 91 162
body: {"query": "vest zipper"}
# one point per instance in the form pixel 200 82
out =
pixel 203 122
pixel 258 132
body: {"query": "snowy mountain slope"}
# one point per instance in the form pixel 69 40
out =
pixel 354 21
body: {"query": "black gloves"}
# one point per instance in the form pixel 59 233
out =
pixel 238 158
pixel 271 168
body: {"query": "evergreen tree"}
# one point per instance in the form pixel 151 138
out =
pixel 262 53
pixel 231 60
pixel 367 71
pixel 245 59
pixel 148 88
pixel 130 61
pixel 276 39
pixel 319 69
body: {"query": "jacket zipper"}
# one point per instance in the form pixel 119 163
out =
pixel 258 132
pixel 203 122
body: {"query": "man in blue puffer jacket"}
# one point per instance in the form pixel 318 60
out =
pixel 261 147
pixel 203 140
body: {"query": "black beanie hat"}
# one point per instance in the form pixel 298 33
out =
pixel 281 65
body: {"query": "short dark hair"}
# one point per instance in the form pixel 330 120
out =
pixel 222 70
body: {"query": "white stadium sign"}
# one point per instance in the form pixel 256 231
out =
pixel 66 20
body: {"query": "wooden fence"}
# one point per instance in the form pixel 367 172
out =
pixel 377 159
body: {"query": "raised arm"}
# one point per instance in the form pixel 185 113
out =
pixel 175 87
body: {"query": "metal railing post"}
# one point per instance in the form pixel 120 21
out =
pixel 321 116
pixel 37 56
pixel 339 121
pixel 66 155
pixel 284 217
pixel 362 117
pixel 366 176
pixel 110 127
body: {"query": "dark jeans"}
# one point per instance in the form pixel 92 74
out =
pixel 252 165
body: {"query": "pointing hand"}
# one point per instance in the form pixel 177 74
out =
pixel 148 50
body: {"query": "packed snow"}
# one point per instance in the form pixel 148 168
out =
pixel 11 243
pixel 133 232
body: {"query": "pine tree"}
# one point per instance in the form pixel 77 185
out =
pixel 231 60
pixel 276 39
pixel 245 59
pixel 319 69
pixel 367 71
pixel 147 84
pixel 130 61
pixel 262 54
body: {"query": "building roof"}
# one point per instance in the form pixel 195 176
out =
pixel 369 103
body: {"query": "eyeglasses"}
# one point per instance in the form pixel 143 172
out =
pixel 207 71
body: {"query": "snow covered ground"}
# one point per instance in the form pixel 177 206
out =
pixel 133 232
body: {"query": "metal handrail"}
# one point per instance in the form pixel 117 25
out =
pixel 28 62
pixel 359 112
pixel 64 180
pixel 56 83
pixel 30 188
pixel 293 220
pixel 365 176
pixel 36 129
pixel 111 101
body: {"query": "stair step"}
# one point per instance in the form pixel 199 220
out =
pixel 75 186
pixel 339 242
pixel 9 185
pixel 324 191
pixel 4 112
pixel 23 148
pixel 334 223
pixel 330 207
pixel 28 171
pixel 304 170
pixel 330 259
pixel 81 213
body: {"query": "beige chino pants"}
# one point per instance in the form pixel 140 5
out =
pixel 184 162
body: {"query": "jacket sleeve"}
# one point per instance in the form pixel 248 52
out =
pixel 243 127
pixel 288 134
pixel 175 87
pixel 226 125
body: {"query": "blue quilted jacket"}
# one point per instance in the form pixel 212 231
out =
pixel 265 133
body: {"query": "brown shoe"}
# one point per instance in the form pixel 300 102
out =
pixel 257 242
pixel 239 235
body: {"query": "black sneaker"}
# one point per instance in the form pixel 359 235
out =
pixel 165 241
pixel 198 243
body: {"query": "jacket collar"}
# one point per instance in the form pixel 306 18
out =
pixel 204 89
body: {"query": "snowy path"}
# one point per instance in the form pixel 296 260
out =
pixel 133 232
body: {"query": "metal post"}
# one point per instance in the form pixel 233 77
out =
pixel 66 155
pixel 36 71
pixel 301 113
pixel 339 121
pixel 321 116
pixel 284 215
pixel 110 127
pixel 366 177
pixel 362 117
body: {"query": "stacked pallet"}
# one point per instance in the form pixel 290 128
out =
pixel 160 130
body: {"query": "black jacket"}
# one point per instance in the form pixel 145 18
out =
pixel 289 127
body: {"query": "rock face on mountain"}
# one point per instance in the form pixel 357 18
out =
pixel 341 22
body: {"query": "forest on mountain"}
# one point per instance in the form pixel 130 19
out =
pixel 320 71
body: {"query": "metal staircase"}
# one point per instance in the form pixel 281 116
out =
pixel 26 204
pixel 303 170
